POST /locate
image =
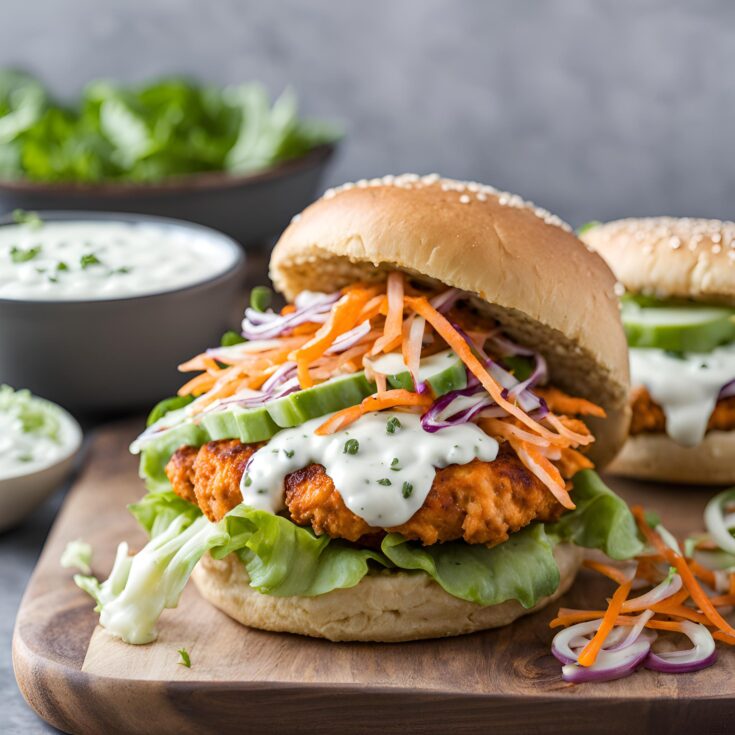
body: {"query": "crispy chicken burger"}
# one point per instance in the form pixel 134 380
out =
pixel 406 449
pixel 678 310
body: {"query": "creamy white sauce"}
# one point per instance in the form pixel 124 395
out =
pixel 105 260
pixel 686 388
pixel 23 450
pixel 385 481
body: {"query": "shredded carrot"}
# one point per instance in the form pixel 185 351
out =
pixel 732 584
pixel 342 318
pixel 394 320
pixel 543 469
pixel 450 335
pixel 706 575
pixel 389 399
pixel 670 602
pixel 561 402
pixel 687 576
pixel 682 611
pixel 724 637
pixel 723 600
pixel 592 649
pixel 505 428
pixel 611 572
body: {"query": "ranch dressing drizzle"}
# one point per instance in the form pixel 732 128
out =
pixel 686 388
pixel 382 476
pixel 88 260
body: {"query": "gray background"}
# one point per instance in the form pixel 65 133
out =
pixel 595 109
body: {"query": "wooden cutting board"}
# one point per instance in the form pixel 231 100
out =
pixel 82 681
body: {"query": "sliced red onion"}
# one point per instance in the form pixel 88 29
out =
pixel 670 586
pixel 444 301
pixel 539 375
pixel 610 665
pixel 527 400
pixel 284 372
pixel 268 324
pixel 349 339
pixel 440 414
pixel 728 391
pixel 701 655
pixel 715 522
pixel 634 632
pixel 614 660
pixel 507 348
pixel 313 298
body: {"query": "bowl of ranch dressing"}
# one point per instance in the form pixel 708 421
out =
pixel 96 309
pixel 39 442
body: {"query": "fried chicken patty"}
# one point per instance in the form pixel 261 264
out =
pixel 480 502
pixel 649 418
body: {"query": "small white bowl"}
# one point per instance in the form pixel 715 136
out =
pixel 22 493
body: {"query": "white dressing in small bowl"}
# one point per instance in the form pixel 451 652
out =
pixel 38 444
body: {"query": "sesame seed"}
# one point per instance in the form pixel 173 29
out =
pixel 464 199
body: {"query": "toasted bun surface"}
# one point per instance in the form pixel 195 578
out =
pixel 657 457
pixel 670 257
pixel 523 266
pixel 385 606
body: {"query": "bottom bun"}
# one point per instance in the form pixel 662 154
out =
pixel 657 457
pixel 385 606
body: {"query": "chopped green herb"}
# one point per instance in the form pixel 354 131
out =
pixel 262 491
pixel 247 480
pixel 21 217
pixel 53 279
pixel 395 463
pixel 587 226
pixel 407 489
pixel 185 659
pixel 62 266
pixel 22 255
pixel 260 298
pixel 393 425
pixel 122 270
pixel 230 337
pixel 25 458
pixel 352 446
pixel 385 481
pixel 289 453
pixel 89 259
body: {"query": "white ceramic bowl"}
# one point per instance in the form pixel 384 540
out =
pixel 21 493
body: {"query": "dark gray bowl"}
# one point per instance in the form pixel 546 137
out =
pixel 116 355
pixel 251 208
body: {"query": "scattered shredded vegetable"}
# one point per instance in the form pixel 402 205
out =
pixel 682 599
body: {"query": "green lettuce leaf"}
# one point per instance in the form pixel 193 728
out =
pixel 155 455
pixel 284 559
pixel 157 511
pixel 601 519
pixel 522 568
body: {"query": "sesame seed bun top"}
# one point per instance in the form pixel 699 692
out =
pixel 670 257
pixel 520 264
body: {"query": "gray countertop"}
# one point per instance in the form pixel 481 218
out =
pixel 19 550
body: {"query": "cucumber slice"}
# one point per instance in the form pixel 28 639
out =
pixel 333 395
pixel 248 425
pixel 444 372
pixel 678 328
